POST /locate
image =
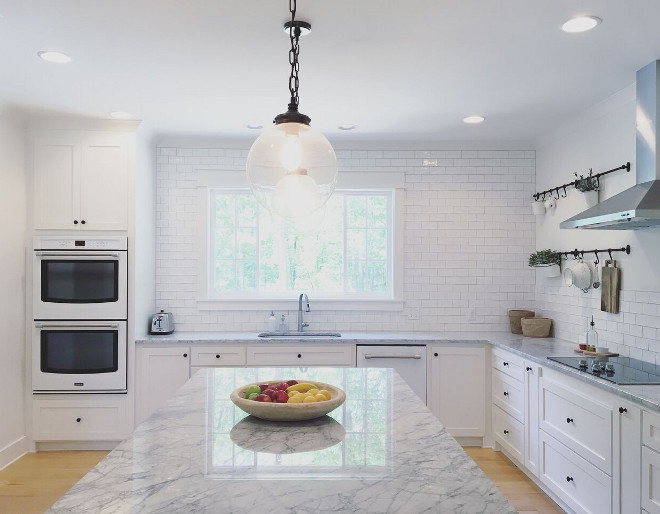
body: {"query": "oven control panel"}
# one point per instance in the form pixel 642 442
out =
pixel 79 243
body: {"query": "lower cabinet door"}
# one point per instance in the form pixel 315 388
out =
pixel 509 433
pixel 650 480
pixel 580 484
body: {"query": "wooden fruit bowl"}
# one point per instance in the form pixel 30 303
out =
pixel 288 411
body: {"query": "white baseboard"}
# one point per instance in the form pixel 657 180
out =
pixel 59 446
pixel 13 451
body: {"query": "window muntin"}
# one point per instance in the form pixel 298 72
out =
pixel 344 251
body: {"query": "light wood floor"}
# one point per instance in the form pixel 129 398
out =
pixel 34 482
pixel 512 483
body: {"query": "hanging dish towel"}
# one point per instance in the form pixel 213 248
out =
pixel 610 285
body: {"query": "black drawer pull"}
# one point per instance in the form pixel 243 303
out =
pixel 569 479
pixel 528 368
pixel 506 394
pixel 78 420
pixel 300 356
pixel 569 420
pixel 185 355
pixel 435 354
pixel 75 222
pixel 217 356
pixel 83 222
pixel 622 410
pixel 506 432
pixel 505 363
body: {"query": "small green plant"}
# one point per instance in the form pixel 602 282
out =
pixel 588 183
pixel 544 258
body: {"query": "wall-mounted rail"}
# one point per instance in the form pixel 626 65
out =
pixel 579 254
pixel 541 195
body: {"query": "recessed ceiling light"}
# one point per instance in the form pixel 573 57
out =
pixel 121 115
pixel 347 126
pixel 305 27
pixel 56 57
pixel 473 119
pixel 254 126
pixel 581 24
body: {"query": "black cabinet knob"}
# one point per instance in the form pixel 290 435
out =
pixel 299 356
pixel 435 354
pixel 569 420
pixel 569 479
pixel 185 355
pixel 622 410
pixel 506 432
pixel 78 420
pixel 528 368
pixel 75 222
pixel 505 393
pixel 505 363
pixel 217 356
pixel 83 222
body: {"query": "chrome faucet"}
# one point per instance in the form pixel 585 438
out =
pixel 302 325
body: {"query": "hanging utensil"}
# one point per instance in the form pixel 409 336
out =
pixel 596 284
pixel 611 283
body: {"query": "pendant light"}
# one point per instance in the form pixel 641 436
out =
pixel 291 167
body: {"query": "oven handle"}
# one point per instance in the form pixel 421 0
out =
pixel 370 356
pixel 73 325
pixel 76 254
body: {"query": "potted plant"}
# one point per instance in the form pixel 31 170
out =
pixel 588 186
pixel 546 263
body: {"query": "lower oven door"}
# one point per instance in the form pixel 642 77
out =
pixel 79 357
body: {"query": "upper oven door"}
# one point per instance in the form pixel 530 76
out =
pixel 79 356
pixel 80 285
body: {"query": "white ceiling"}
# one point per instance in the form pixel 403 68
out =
pixel 404 70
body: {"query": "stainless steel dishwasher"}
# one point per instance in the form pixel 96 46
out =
pixel 408 361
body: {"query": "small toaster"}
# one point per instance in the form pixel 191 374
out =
pixel 162 323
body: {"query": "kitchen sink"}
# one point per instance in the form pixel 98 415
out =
pixel 300 334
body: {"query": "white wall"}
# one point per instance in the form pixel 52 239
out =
pixel 12 288
pixel 467 224
pixel 601 138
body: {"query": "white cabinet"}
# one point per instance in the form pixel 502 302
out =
pixel 81 181
pixel 531 408
pixel 83 418
pixel 456 388
pixel 160 373
pixel 627 456
pixel 331 355
pixel 650 480
pixel 212 356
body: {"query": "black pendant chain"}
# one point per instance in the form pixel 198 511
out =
pixel 294 35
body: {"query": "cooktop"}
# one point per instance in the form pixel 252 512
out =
pixel 619 370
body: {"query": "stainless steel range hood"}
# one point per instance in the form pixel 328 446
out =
pixel 639 206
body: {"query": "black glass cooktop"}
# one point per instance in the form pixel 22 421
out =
pixel 619 370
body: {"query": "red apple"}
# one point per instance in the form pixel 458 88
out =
pixel 281 397
pixel 292 382
pixel 263 398
pixel 282 387
pixel 271 393
pixel 263 387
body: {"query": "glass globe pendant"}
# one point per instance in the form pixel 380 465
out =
pixel 291 167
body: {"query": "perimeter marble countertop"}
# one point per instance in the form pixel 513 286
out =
pixel 534 349
pixel 381 451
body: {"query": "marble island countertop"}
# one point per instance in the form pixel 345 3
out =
pixel 381 451
pixel 537 350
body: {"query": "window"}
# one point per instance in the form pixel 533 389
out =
pixel 346 250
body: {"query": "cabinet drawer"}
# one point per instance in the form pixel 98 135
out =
pixel 580 423
pixel 650 480
pixel 651 430
pixel 218 356
pixel 79 420
pixel 509 395
pixel 583 487
pixel 509 432
pixel 300 356
pixel 509 364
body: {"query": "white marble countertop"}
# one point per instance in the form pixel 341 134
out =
pixel 535 349
pixel 382 451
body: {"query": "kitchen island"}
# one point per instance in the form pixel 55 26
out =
pixel 381 451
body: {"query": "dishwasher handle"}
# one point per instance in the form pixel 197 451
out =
pixel 371 356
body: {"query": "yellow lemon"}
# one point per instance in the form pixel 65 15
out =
pixel 309 399
pixel 295 399
pixel 325 393
pixel 313 391
pixel 320 397
pixel 293 393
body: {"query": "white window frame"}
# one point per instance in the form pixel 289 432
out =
pixel 208 179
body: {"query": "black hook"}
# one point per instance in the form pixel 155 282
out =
pixel 609 250
pixel 597 259
pixel 557 192
pixel 575 254
pixel 565 194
